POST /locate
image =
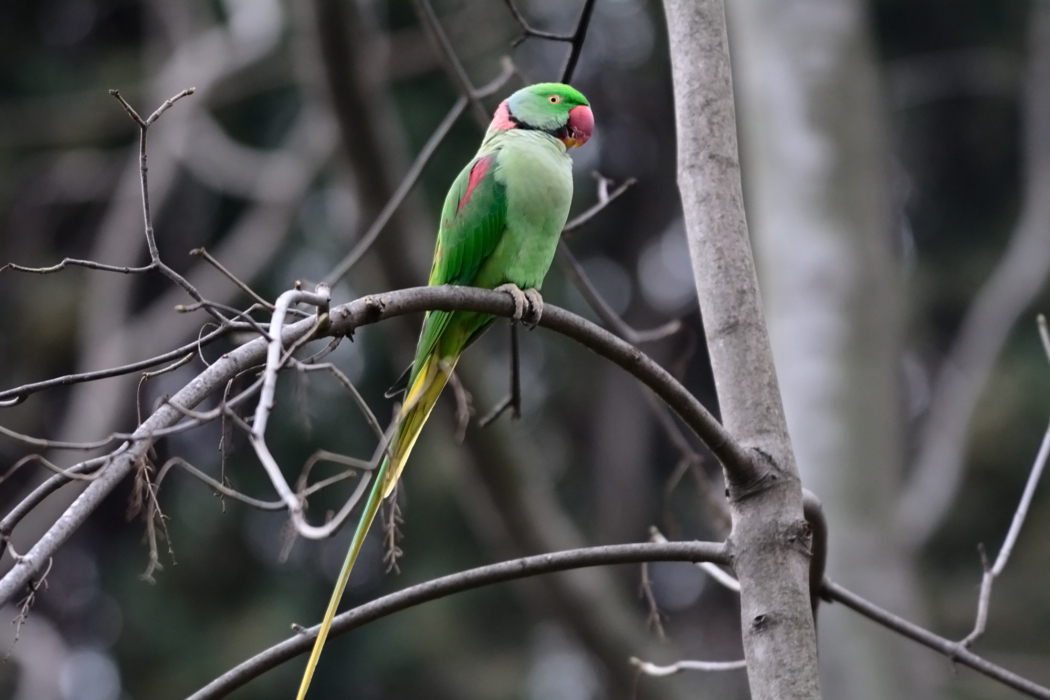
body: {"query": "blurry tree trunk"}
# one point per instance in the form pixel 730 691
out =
pixel 816 165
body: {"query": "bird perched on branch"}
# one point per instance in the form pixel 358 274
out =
pixel 499 230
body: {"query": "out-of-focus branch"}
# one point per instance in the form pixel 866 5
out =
pixel 453 66
pixel 1017 278
pixel 990 574
pixel 527 30
pixel 457 583
pixel 578 37
pixel 651 669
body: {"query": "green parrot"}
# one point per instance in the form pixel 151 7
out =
pixel 499 230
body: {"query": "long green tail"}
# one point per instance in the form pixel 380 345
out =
pixel 369 514
pixel 419 401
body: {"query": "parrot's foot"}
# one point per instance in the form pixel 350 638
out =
pixel 530 298
pixel 535 308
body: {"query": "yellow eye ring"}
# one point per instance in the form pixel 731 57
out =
pixel 554 99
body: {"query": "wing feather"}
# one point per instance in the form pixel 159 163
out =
pixel 473 219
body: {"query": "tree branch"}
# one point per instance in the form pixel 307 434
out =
pixel 527 29
pixel 344 320
pixel 457 583
pixel 578 35
pixel 948 648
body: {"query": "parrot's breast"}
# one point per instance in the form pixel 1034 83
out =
pixel 537 174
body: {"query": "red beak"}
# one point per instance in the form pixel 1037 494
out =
pixel 580 127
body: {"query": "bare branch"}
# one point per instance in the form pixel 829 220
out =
pixel 89 264
pixel 457 583
pixel 27 504
pixel 579 220
pixel 947 647
pixel 650 669
pixel 527 29
pixel 452 63
pixel 601 307
pixel 578 35
pixel 344 319
pixel 645 591
pixel 990 574
pixel 513 399
pixel 240 284
pixel 710 568
pixel 19 393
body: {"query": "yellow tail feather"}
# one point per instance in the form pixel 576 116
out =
pixel 419 402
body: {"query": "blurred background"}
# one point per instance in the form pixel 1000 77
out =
pixel 896 159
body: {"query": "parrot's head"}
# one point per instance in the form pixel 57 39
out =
pixel 559 110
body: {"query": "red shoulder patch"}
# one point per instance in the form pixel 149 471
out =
pixel 501 121
pixel 477 174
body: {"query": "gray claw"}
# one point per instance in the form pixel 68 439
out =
pixel 535 307
pixel 518 296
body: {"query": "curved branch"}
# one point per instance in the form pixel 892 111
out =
pixel 345 318
pixel 457 583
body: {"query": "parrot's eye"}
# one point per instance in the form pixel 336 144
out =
pixel 554 99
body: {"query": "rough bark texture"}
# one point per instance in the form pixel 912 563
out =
pixel 769 535
pixel 815 158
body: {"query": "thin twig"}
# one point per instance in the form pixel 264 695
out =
pixel 359 400
pixel 582 218
pixel 19 393
pixel 453 66
pixel 89 264
pixel 470 579
pixel 601 307
pixel 513 399
pixel 240 284
pixel 946 647
pixel 710 568
pixel 990 574
pixel 645 591
pixel 650 669
pixel 151 240
pixel 527 30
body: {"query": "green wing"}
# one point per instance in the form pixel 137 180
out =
pixel 472 222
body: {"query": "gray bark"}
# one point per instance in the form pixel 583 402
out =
pixel 770 547
pixel 816 184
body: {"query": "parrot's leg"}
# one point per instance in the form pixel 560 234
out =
pixel 517 295
pixel 535 307
pixel 530 299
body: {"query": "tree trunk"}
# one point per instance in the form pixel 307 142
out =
pixel 769 536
